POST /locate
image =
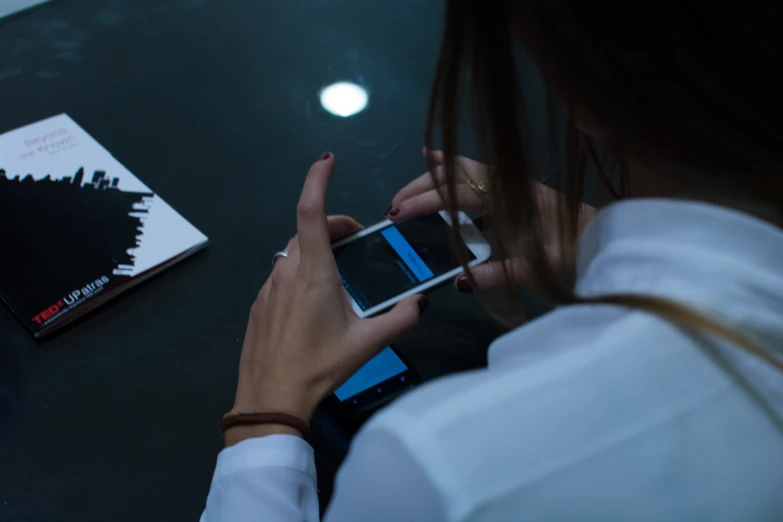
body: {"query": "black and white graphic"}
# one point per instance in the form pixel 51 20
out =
pixel 76 225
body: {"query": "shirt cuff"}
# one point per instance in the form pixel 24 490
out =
pixel 271 451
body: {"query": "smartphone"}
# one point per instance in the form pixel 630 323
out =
pixel 377 382
pixel 387 262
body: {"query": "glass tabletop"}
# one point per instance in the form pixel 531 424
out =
pixel 220 107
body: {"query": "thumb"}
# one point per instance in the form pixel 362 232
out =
pixel 384 329
pixel 492 275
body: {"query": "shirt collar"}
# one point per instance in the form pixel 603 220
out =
pixel 694 252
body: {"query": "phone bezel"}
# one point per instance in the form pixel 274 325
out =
pixel 471 236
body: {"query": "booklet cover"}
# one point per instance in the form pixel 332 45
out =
pixel 76 227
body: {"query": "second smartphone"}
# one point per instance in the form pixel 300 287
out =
pixel 380 380
pixel 387 262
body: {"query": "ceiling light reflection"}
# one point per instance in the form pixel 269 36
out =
pixel 344 99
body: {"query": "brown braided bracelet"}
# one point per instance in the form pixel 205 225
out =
pixel 250 418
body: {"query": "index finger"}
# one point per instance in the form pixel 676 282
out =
pixel 435 200
pixel 311 224
pixel 424 183
pixel 433 155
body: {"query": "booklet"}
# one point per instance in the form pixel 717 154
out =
pixel 9 7
pixel 76 227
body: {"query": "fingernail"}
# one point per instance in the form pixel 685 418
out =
pixel 326 155
pixel 393 211
pixel 423 303
pixel 463 284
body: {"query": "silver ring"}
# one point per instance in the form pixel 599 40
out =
pixel 282 253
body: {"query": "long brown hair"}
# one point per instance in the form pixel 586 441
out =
pixel 678 84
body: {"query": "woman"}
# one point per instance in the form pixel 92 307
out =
pixel 655 392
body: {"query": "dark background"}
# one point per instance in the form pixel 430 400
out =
pixel 214 105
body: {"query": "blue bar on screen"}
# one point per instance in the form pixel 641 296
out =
pixel 407 254
pixel 383 366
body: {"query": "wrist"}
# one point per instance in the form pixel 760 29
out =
pixel 237 434
pixel 286 403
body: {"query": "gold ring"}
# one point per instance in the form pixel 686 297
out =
pixel 479 187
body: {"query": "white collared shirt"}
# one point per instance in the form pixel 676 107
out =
pixel 589 413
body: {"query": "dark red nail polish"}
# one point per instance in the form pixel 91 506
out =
pixel 423 303
pixel 463 285
pixel 326 155
pixel 393 211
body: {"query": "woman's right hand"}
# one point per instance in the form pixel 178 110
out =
pixel 426 195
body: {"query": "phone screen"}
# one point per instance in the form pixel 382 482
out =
pixel 395 259
pixel 364 384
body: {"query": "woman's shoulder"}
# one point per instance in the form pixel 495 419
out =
pixel 612 401
pixel 629 367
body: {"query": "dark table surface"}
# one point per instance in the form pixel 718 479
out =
pixel 213 104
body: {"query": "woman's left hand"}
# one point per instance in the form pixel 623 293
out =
pixel 303 339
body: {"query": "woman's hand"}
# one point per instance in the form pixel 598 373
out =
pixel 303 339
pixel 426 194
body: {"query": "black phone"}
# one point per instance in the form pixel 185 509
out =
pixel 381 379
